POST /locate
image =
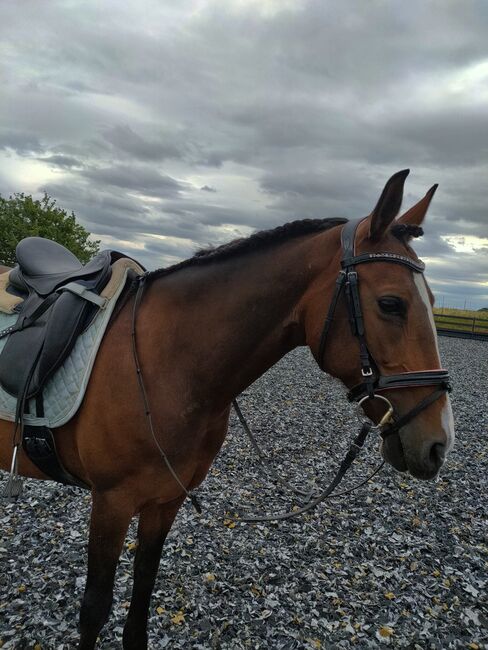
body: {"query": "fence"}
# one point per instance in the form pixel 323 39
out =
pixel 462 326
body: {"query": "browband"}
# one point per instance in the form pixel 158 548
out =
pixel 349 257
pixel 415 265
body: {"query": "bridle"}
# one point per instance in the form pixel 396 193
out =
pixel 373 382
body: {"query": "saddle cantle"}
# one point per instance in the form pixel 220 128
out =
pixel 43 265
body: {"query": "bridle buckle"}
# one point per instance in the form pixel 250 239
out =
pixel 366 372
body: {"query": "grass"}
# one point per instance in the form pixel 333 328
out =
pixel 462 320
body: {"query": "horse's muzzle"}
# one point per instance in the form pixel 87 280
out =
pixel 423 462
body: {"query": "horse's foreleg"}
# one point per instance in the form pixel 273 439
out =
pixel 110 518
pixel 154 524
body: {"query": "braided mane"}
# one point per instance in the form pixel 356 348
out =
pixel 256 241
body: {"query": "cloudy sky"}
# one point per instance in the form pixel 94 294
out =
pixel 167 125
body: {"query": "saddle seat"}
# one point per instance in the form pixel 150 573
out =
pixel 44 265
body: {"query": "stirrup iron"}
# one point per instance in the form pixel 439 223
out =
pixel 13 487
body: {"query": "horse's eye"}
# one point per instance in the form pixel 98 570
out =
pixel 392 305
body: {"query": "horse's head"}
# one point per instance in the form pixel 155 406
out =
pixel 394 303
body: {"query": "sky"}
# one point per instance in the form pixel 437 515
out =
pixel 171 125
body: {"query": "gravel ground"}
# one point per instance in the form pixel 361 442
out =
pixel 398 563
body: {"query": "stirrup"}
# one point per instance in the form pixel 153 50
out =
pixel 14 485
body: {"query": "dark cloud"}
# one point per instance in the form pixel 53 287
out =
pixel 292 109
pixel 447 133
pixel 21 143
pixel 145 180
pixel 158 148
pixel 432 245
pixel 59 160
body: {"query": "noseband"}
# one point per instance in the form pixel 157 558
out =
pixel 373 382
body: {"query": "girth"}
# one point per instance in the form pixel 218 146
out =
pixel 373 382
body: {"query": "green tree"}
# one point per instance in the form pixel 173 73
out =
pixel 22 216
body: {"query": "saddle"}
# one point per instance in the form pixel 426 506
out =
pixel 59 298
pixel 56 298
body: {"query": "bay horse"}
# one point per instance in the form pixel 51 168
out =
pixel 207 329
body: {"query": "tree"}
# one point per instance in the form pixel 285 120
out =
pixel 22 216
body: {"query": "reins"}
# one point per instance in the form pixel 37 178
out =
pixel 351 455
pixel 373 383
pixel 138 297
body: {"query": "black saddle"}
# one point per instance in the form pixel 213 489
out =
pixel 61 296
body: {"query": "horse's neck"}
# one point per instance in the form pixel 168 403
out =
pixel 234 319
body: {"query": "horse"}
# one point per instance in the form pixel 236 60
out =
pixel 207 328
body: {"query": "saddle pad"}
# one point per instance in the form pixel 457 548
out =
pixel 64 392
pixel 8 302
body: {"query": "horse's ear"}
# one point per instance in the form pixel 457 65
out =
pixel 416 214
pixel 388 205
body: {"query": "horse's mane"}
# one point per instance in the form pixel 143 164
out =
pixel 256 241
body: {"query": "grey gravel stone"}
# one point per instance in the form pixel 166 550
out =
pixel 399 563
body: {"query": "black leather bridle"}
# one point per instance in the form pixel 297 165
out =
pixel 373 383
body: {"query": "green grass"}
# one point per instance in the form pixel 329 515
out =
pixel 462 320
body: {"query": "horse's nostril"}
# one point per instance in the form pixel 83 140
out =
pixel 437 453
